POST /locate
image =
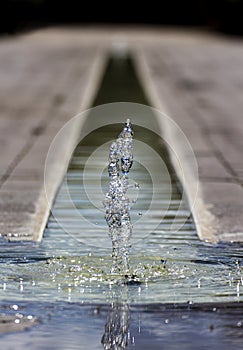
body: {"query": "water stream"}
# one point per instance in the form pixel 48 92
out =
pixel 116 201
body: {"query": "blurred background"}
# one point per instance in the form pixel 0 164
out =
pixel 221 15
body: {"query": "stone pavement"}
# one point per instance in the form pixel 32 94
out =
pixel 48 76
pixel 198 80
pixel 45 79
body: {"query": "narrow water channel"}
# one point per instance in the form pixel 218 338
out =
pixel 187 293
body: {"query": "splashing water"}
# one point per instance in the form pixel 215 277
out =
pixel 116 201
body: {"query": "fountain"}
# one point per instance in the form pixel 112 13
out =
pixel 118 219
pixel 116 201
pixel 79 296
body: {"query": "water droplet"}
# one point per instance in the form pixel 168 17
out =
pixel 211 327
pixel 238 289
pixel 184 317
pixel 239 324
pixel 14 307
pixel 96 311
pixel 167 321
pixel 75 268
pixel 17 320
pixel 163 262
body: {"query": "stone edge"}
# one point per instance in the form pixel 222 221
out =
pixel 206 223
pixel 59 167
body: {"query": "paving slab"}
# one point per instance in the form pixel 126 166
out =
pixel 46 78
pixel 197 80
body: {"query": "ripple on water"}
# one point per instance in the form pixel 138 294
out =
pixel 60 268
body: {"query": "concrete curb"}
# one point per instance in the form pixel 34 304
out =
pixel 61 160
pixel 204 220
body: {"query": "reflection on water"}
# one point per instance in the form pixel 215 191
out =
pixel 76 326
pixel 116 336
pixel 117 333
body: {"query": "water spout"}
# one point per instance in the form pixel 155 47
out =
pixel 116 202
